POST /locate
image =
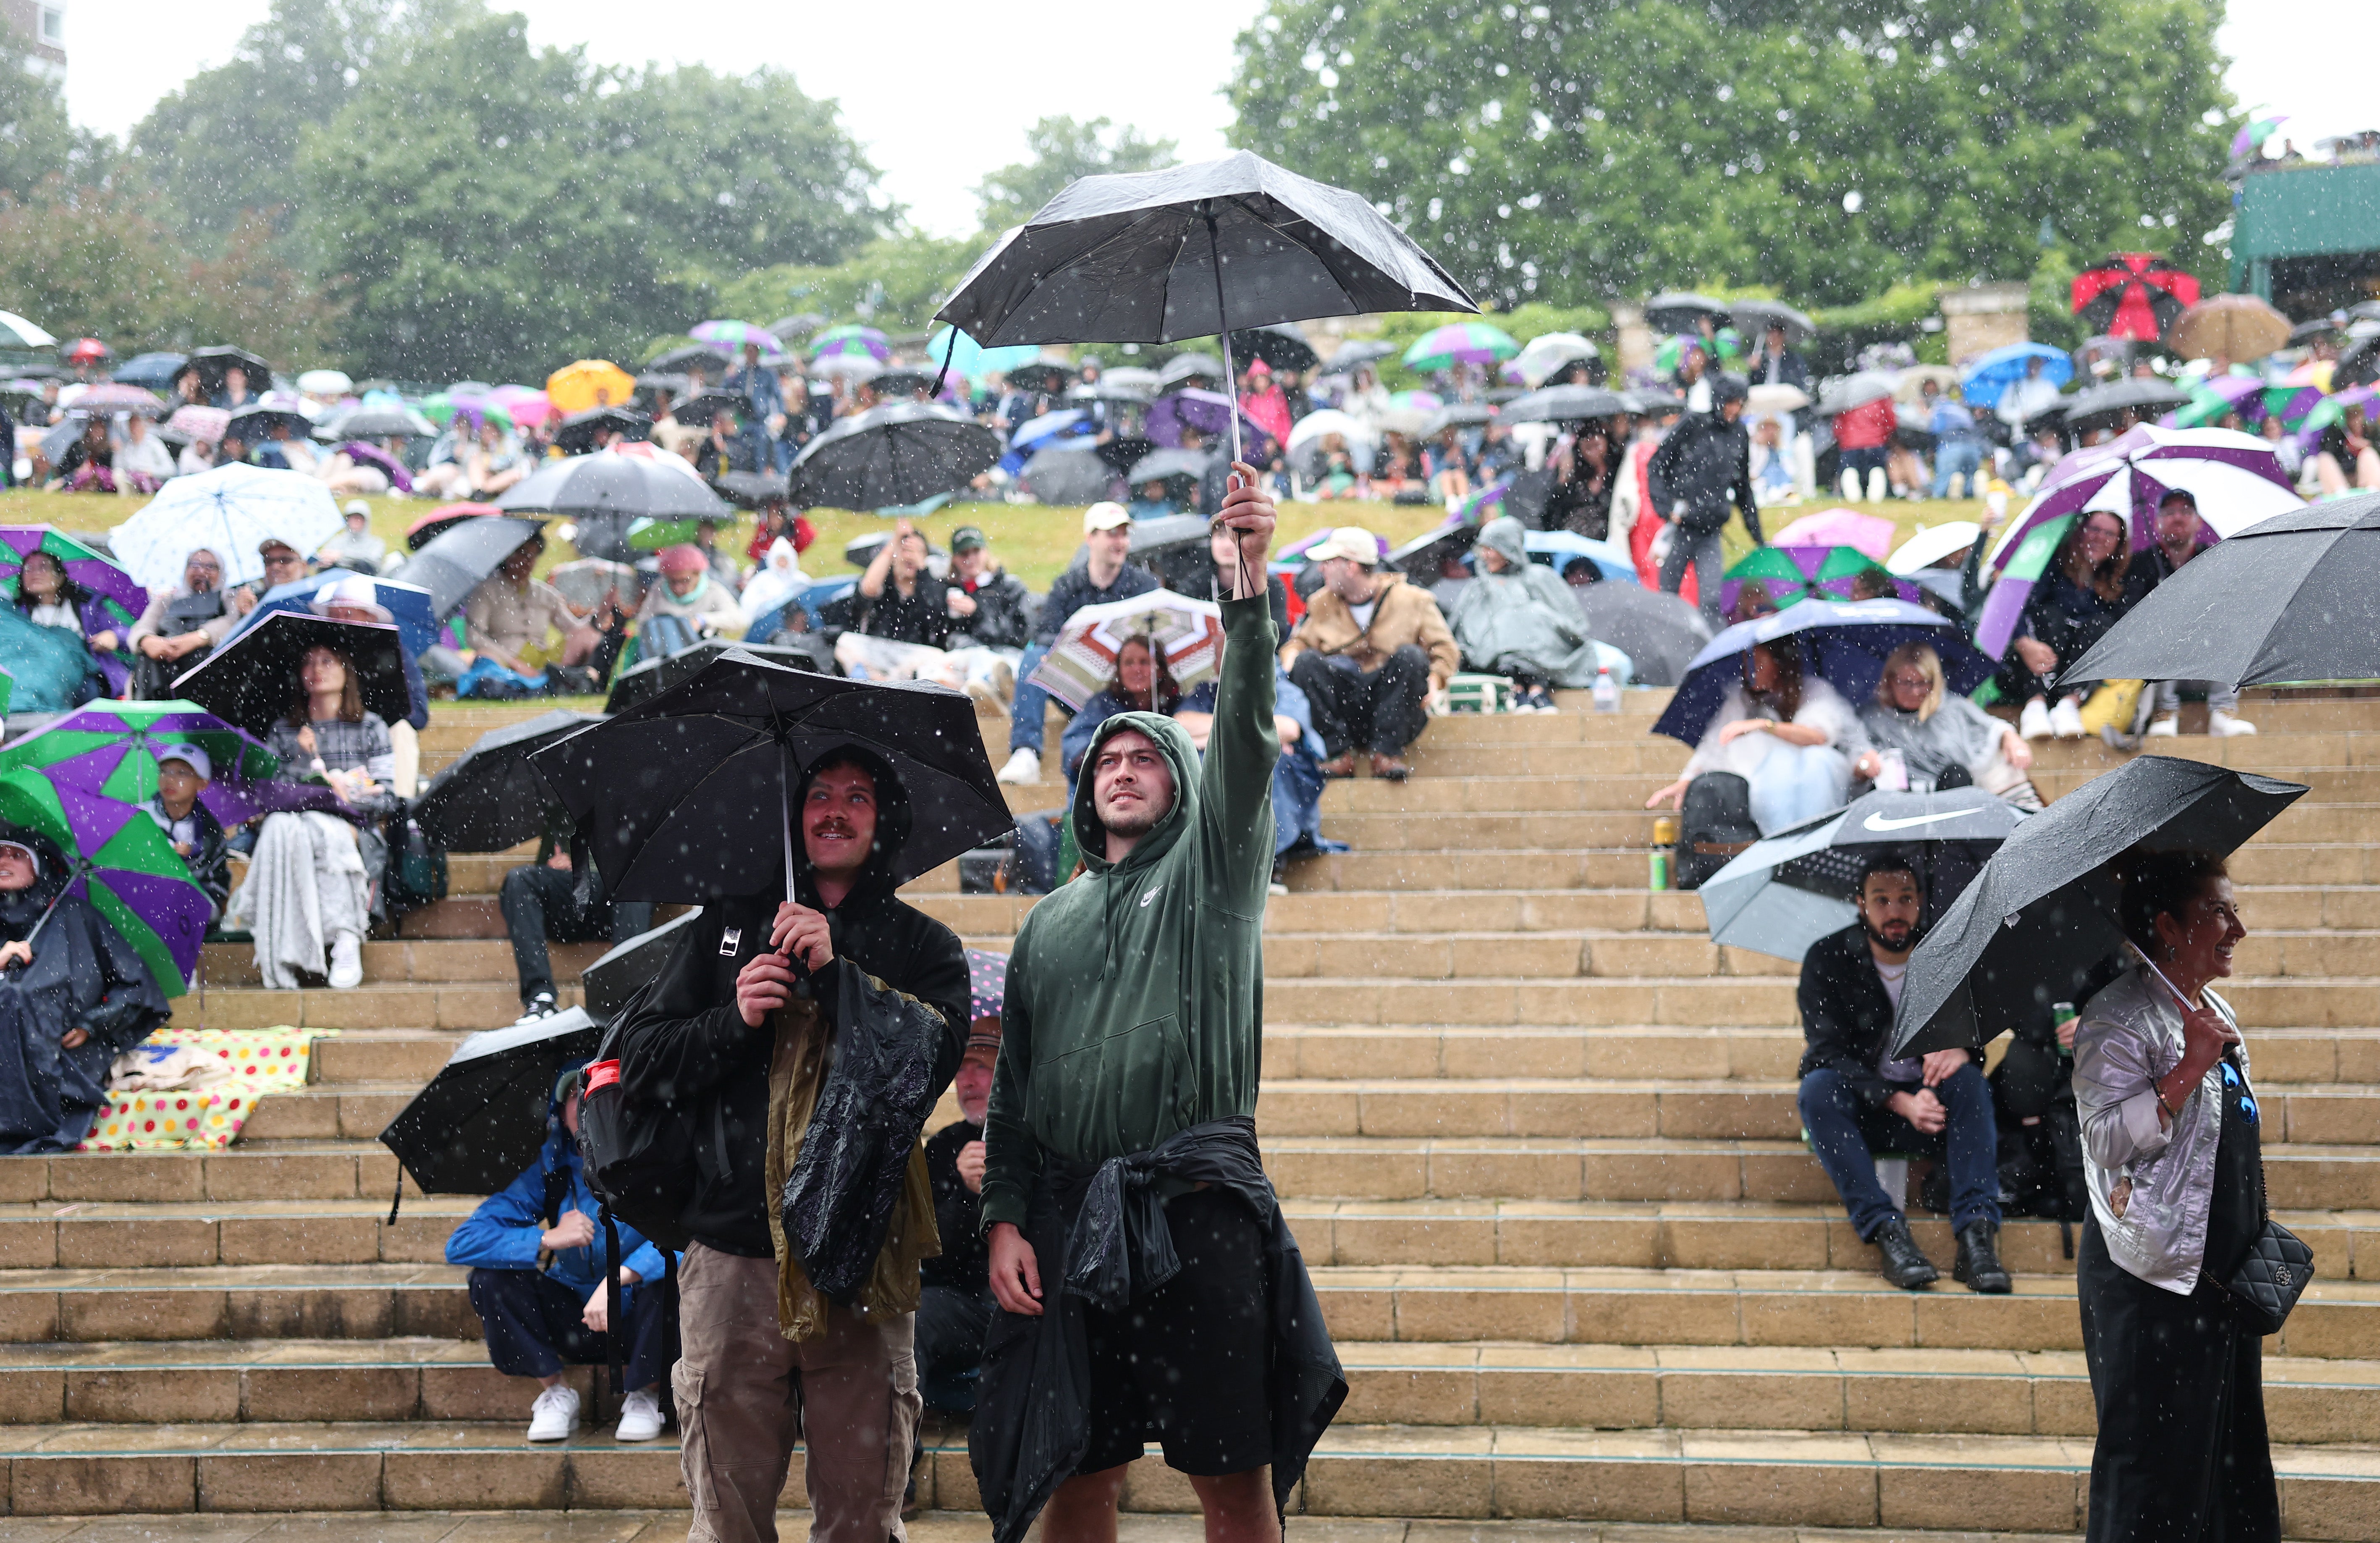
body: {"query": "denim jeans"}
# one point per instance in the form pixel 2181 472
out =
pixel 1027 713
pixel 1846 1137
pixel 1956 457
pixel 1702 550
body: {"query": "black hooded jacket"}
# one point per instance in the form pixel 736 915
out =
pixel 682 1035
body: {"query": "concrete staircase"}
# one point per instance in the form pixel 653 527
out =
pixel 1534 1131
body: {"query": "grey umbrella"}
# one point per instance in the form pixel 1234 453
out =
pixel 1067 474
pixel 1159 465
pixel 1682 312
pixel 1659 633
pixel 1364 350
pixel 1756 316
pixel 1564 403
pixel 610 981
pixel 2147 396
pixel 1194 251
pixel 1842 392
pixel 1184 368
pixel 901 453
pixel 375 422
pixel 701 355
pixel 459 559
pixel 627 486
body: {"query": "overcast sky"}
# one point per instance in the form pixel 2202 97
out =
pixel 941 92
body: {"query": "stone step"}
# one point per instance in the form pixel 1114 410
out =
pixel 465 1006
pixel 414 961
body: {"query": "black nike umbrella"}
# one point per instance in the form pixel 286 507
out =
pixel 901 453
pixel 2294 597
pixel 1194 251
pixel 252 679
pixel 480 1123
pixel 459 559
pixel 687 795
pixel 2039 923
pixel 491 798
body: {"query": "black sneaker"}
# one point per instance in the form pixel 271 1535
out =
pixel 1979 1260
pixel 1905 1265
pixel 540 1005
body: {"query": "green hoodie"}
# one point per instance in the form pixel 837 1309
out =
pixel 1136 993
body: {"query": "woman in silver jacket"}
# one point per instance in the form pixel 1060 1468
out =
pixel 2171 1160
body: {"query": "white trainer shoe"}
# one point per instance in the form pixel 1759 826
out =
pixel 2223 725
pixel 347 962
pixel 554 1414
pixel 2165 726
pixel 640 1416
pixel 2066 719
pixel 1023 766
pixel 2033 722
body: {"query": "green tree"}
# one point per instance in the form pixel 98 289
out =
pixel 1064 151
pixel 37 141
pixel 895 283
pixel 1828 149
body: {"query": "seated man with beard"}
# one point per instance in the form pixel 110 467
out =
pixel 1855 1101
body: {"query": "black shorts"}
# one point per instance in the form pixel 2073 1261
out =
pixel 1189 1364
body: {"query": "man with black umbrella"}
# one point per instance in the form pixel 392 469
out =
pixel 731 1033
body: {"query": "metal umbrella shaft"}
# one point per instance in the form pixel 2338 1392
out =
pixel 1230 387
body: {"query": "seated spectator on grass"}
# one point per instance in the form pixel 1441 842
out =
pixel 89 462
pixel 1517 619
pixel 898 598
pixel 354 546
pixel 2090 585
pixel 1944 739
pixel 1369 652
pixel 989 607
pixel 1450 465
pixel 1786 733
pixel 688 605
pixel 1154 499
pixel 494 461
pixel 181 626
pixel 511 622
pixel 560 896
pixel 72 999
pixel 183 770
pixel 143 463
pixel 2344 460
pixel 537 1282
pixel 957 1306
pixel 1856 1102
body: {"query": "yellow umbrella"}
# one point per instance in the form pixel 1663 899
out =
pixel 589 384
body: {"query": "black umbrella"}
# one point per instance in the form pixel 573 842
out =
pixel 1048 376
pixel 903 380
pixel 1123 451
pixel 670 381
pixel 1281 346
pixel 692 356
pixel 2294 597
pixel 1184 368
pixel 2144 394
pixel 491 798
pixel 1164 463
pixel 1193 251
pixel 699 409
pixel 1651 400
pixel 481 1121
pixel 576 434
pixel 1754 317
pixel 1067 474
pixel 252 679
pixel 609 982
pixel 648 678
pixel 218 357
pixel 155 371
pixel 1564 403
pixel 898 454
pixel 628 486
pixel 2039 925
pixel 1683 312
pixel 255 424
pixel 1659 633
pixel 459 559
pixel 687 796
pixel 378 422
pixel 749 490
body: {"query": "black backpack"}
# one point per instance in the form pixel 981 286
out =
pixel 638 1152
pixel 1714 824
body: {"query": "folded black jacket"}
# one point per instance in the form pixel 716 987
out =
pixel 1100 1234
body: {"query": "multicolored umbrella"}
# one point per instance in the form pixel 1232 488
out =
pixel 2254 133
pixel 1208 412
pixel 207 425
pixel 851 339
pixel 584 384
pixel 1839 527
pixel 2211 400
pixel 1793 573
pixel 2134 295
pixel 110 749
pixel 1082 664
pixel 1459 343
pixel 2004 605
pixel 735 336
pixel 119 595
pixel 124 866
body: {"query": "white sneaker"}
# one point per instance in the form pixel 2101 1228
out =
pixel 2066 719
pixel 1023 766
pixel 1876 485
pixel 2222 725
pixel 1851 485
pixel 640 1416
pixel 2033 722
pixel 554 1414
pixel 347 962
pixel 2165 726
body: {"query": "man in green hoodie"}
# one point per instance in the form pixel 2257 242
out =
pixel 1123 1199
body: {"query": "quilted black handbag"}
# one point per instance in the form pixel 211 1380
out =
pixel 2277 1268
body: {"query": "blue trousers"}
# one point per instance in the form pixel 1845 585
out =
pixel 1846 1136
pixel 1031 706
pixel 1958 458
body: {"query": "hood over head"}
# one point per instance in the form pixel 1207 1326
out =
pixel 20 908
pixel 1505 535
pixel 1180 757
pixel 893 823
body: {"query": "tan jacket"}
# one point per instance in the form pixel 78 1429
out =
pixel 1403 614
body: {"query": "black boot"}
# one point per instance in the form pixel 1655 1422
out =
pixel 1905 1265
pixel 1979 1259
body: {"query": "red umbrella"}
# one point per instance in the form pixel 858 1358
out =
pixel 88 350
pixel 2134 295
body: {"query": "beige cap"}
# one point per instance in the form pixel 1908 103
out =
pixel 1106 516
pixel 1350 541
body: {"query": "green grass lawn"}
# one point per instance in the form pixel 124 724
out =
pixel 1034 541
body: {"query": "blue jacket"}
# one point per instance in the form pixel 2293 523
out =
pixel 502 1233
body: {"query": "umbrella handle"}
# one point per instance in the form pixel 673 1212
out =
pixel 1224 330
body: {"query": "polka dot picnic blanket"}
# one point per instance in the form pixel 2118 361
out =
pixel 208 1109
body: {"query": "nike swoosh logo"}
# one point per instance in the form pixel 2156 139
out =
pixel 1878 822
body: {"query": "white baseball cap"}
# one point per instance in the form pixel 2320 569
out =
pixel 1105 516
pixel 1350 541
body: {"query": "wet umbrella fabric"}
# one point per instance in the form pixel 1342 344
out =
pixel 622 972
pixel 1210 413
pixel 1563 404
pixel 110 749
pixel 2292 598
pixel 1989 375
pixel 118 593
pixel 1459 343
pixel 576 436
pixel 610 483
pixel 1782 894
pixel 2230 327
pixel 2134 394
pixel 2134 295
pixel 123 864
pixel 252 678
pixel 685 795
pixel 1067 472
pixel 900 453
pixel 375 420
pixel 1560 549
pixel 151 372
pixel 459 559
pixel 1792 573
pixel 491 798
pixel 1184 368
pixel 1843 643
pixel 1281 346
pixel 229 511
pixel 701 355
pixel 479 1124
pixel 1753 318
pixel 216 360
pixel 1659 633
pixel 1844 394
pixel 1548 354
pixel 1082 661
pixel 1162 464
pixel 2040 924
pixel 116 397
pixel 1683 312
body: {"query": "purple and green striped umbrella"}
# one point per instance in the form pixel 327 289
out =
pixel 734 335
pixel 1459 343
pixel 1793 573
pixel 124 866
pixel 109 749
pixel 851 340
pixel 2211 399
pixel 119 595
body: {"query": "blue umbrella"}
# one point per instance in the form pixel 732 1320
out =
pixel 971 359
pixel 1843 643
pixel 821 591
pixel 1987 375
pixel 1035 430
pixel 155 371
pixel 1563 546
pixel 408 604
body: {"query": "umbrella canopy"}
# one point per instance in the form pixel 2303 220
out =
pixel 1281 346
pixel 2292 598
pixel 151 372
pixel 18 333
pixel 2134 295
pixel 199 423
pixel 1456 415
pixel 1839 527
pixel 459 559
pixel 1933 544
pixel 1683 312
pixel 2040 924
pixel 1067 472
pixel 1783 893
pixel 1547 354
pixel 802 323
pixel 749 490
pixel 252 679
pixel 228 511
pixel 1777 396
pixel 1048 376
pixel 437 522
pixel 2144 395
pixel 408 604
pixel 214 360
pixel 622 972
pixel 583 384
pixel 1459 343
pixel 735 337
pixel 1049 425
pixel 119 594
pixel 1792 573
pixel 1328 420
pixel 686 797
pixel 903 379
pixel 1988 375
pixel 114 397
pixel 1754 317
pixel 110 749
pixel 87 351
pixel 969 358
pixel 608 482
pixel 124 866
pixel 1844 643
pixel 1909 384
pixel 492 797
pixel 1564 403
pixel 2254 133
pixel 1128 382
pixel 2229 327
pixel 575 435
pixel 376 421
pixel 1558 549
pixel 481 1121
pixel 701 407
pixel 1082 663
pixel 711 361
pixel 1362 351
pixel 1210 412
pixel 899 453
pixel 325 382
pixel 851 339
pixel 1843 392
pixel 526 408
pixel 1162 465
pixel 1124 451
pixel 255 424
pixel 2211 400
pixel 1184 368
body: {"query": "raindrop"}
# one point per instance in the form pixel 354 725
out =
pixel 1852 200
